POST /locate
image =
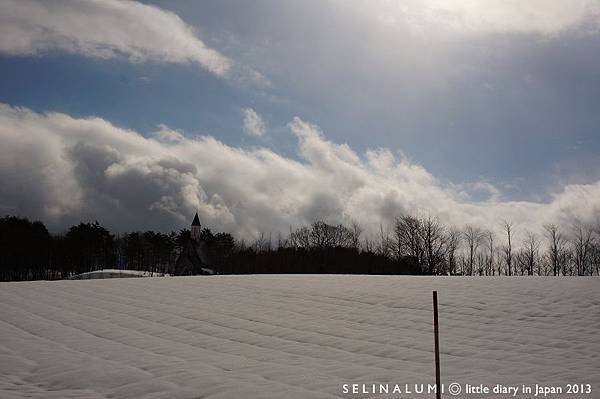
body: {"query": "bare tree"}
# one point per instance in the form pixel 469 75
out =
pixel 556 248
pixel 508 255
pixel 300 238
pixel 545 265
pixel 489 235
pixel 452 246
pixel 582 247
pixel 595 251
pixel 356 231
pixel 409 239
pixel 345 237
pixel 463 261
pixel 281 242
pixel 530 254
pixel 385 245
pixel 368 245
pixel 433 238
pixel 481 262
pixel 568 267
pixel 262 243
pixel 473 236
pixel 322 235
pixel 499 260
pixel 595 259
pixel 520 262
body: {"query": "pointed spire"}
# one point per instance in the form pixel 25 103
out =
pixel 196 221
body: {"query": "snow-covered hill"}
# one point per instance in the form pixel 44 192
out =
pixel 292 336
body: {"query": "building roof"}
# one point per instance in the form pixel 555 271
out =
pixel 193 259
pixel 196 221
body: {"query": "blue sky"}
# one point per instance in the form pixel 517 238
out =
pixel 501 100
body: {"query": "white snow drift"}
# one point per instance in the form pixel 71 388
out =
pixel 115 273
pixel 291 336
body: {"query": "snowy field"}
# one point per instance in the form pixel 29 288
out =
pixel 115 273
pixel 293 336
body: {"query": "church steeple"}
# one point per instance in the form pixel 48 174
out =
pixel 196 228
pixel 196 221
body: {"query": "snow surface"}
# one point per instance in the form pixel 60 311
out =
pixel 115 273
pixel 292 336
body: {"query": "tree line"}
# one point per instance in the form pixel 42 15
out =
pixel 411 245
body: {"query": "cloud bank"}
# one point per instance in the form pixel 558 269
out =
pixel 104 29
pixel 62 169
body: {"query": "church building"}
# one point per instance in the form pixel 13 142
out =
pixel 193 258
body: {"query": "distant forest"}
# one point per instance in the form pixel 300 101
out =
pixel 415 245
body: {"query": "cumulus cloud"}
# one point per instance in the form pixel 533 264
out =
pixel 253 123
pixel 63 169
pixel 104 29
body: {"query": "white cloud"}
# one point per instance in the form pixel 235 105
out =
pixel 253 123
pixel 487 16
pixel 168 135
pixel 104 29
pixel 63 169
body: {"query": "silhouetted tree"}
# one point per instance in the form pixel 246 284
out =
pixel 472 236
pixel 25 249
pixel 582 242
pixel 414 245
pixel 556 248
pixel 89 247
pixel 508 252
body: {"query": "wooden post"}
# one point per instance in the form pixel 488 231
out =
pixel 436 333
